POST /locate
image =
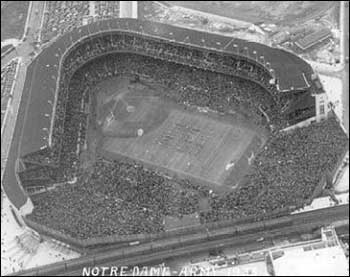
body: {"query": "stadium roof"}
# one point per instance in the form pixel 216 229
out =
pixel 291 71
pixel 41 77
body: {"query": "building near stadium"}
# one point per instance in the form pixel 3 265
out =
pixel 323 257
pixel 313 39
pixel 320 257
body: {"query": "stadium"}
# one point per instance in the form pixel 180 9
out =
pixel 151 128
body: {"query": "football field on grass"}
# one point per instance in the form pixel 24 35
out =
pixel 138 125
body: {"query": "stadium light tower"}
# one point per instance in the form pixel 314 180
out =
pixel 246 51
pixel 273 80
pixel 128 9
pixel 256 55
pixel 235 46
pixel 262 60
pixel 268 65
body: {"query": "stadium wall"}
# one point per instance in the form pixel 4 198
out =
pixel 88 31
pixel 301 124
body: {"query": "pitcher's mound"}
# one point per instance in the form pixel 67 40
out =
pixel 130 109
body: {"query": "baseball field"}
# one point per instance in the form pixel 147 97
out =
pixel 138 124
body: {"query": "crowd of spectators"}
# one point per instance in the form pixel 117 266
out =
pixel 63 16
pixel 126 198
pixel 8 73
pixel 286 172
pixel 197 58
pixel 106 9
pixel 40 157
pixel 123 197
pixel 37 176
pixel 117 198
pixel 189 85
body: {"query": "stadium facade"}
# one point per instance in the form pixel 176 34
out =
pixel 322 257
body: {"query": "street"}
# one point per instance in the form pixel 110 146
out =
pixel 7 137
pixel 346 69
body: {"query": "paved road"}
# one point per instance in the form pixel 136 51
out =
pixel 11 135
pixel 346 69
pixel 33 29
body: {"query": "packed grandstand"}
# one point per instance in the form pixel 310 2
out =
pixel 63 16
pixel 79 191
pixel 8 74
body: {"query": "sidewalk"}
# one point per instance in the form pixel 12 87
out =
pixel 10 124
pixel 326 68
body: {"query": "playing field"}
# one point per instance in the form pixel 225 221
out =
pixel 182 142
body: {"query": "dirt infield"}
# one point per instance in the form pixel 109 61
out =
pixel 138 125
pixel 124 107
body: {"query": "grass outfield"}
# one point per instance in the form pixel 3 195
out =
pixel 181 142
